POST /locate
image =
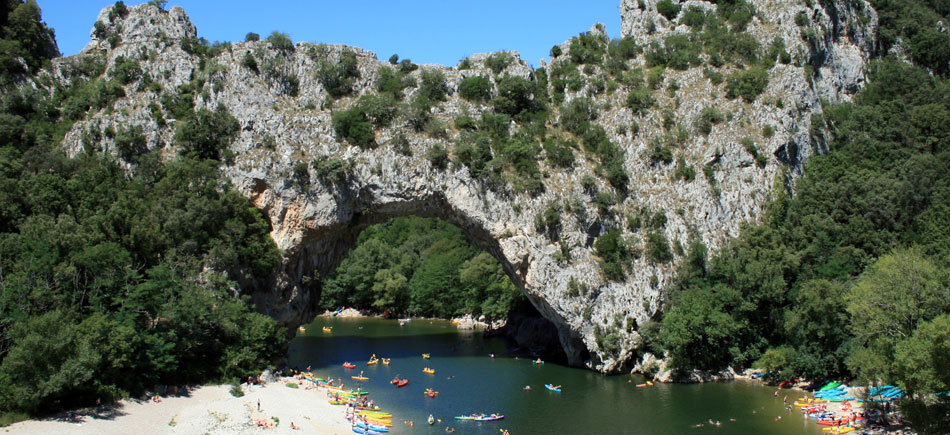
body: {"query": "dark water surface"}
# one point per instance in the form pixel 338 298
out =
pixel 469 381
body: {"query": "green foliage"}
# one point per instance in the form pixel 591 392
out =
pixel 611 249
pixel 694 17
pixel 560 152
pixel 660 153
pixel 515 95
pixel 548 222
pixel 747 84
pixel 392 81
pixel 708 117
pixel 438 156
pixel 916 23
pixel 332 169
pixel 338 77
pixel 208 134
pixel 475 88
pixel 668 9
pixel 640 99
pixel 683 171
pixel 24 38
pixel 252 37
pixel 126 71
pixel 419 266
pixel 250 62
pixel 354 126
pixel 433 86
pixel 280 41
pixel 130 143
pixel 679 52
pixel 588 48
pixel 497 62
pixel 658 247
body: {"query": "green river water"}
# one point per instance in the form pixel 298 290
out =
pixel 469 381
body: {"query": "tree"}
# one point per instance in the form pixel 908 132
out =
pixel 698 333
pixel 208 134
pixel 251 37
pixel 475 88
pixel 898 293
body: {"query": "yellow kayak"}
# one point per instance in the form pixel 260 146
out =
pixel 429 371
pixel 360 378
pixel 426 355
pixel 325 329
pixel 385 361
pixel 372 361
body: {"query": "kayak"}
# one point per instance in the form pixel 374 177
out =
pixel 372 361
pixel 376 427
pixel 349 366
pixel 365 431
pixel 429 392
pixel 385 361
pixel 539 362
pixel 376 414
pixel 426 355
pixel 830 385
pixel 551 387
pixel 483 417
pixel 325 329
pixel 429 371
pixel 402 383
pixel 360 378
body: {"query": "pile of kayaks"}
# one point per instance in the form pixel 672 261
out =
pixel 885 393
pixel 834 392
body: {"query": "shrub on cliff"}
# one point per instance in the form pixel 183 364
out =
pixel 747 84
pixel 475 88
pixel 338 77
pixel 208 134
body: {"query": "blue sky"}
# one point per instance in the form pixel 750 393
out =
pixel 426 31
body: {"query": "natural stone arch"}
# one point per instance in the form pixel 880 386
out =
pixel 322 224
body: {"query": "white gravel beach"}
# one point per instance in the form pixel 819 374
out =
pixel 209 409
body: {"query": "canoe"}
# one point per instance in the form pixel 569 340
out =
pixel 377 414
pixel 385 361
pixel 641 385
pixel 337 402
pixel 360 378
pixel 372 361
pixel 551 387
pixel 427 355
pixel 349 366
pixel 302 329
pixel 325 329
pixel 402 383
pixel 395 381
pixel 429 371
pixel 370 426
pixel 538 362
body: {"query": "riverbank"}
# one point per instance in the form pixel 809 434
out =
pixel 208 409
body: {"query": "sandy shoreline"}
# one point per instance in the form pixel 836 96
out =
pixel 208 409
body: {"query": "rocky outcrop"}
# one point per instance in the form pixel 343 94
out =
pixel 285 119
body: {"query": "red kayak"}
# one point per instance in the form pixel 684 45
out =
pixel 403 383
pixel 349 366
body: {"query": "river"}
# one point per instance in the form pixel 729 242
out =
pixel 470 381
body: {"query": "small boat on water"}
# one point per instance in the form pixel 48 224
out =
pixel 372 361
pixel 430 420
pixel 538 361
pixel 385 361
pixel 326 329
pixel 429 371
pixel 551 387
pixel 302 329
pixel 480 417
pixel 399 382
pixel 360 377
pixel 427 355
pixel 347 365
pixel 429 392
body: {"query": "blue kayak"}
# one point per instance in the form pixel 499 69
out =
pixel 375 427
pixel 551 387
pixel 366 431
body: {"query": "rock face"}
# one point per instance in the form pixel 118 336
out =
pixel 283 123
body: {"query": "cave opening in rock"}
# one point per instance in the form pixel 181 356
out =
pixel 428 267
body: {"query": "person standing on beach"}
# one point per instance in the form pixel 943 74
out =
pixel 258 404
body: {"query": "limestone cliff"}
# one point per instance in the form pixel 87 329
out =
pixel 285 119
